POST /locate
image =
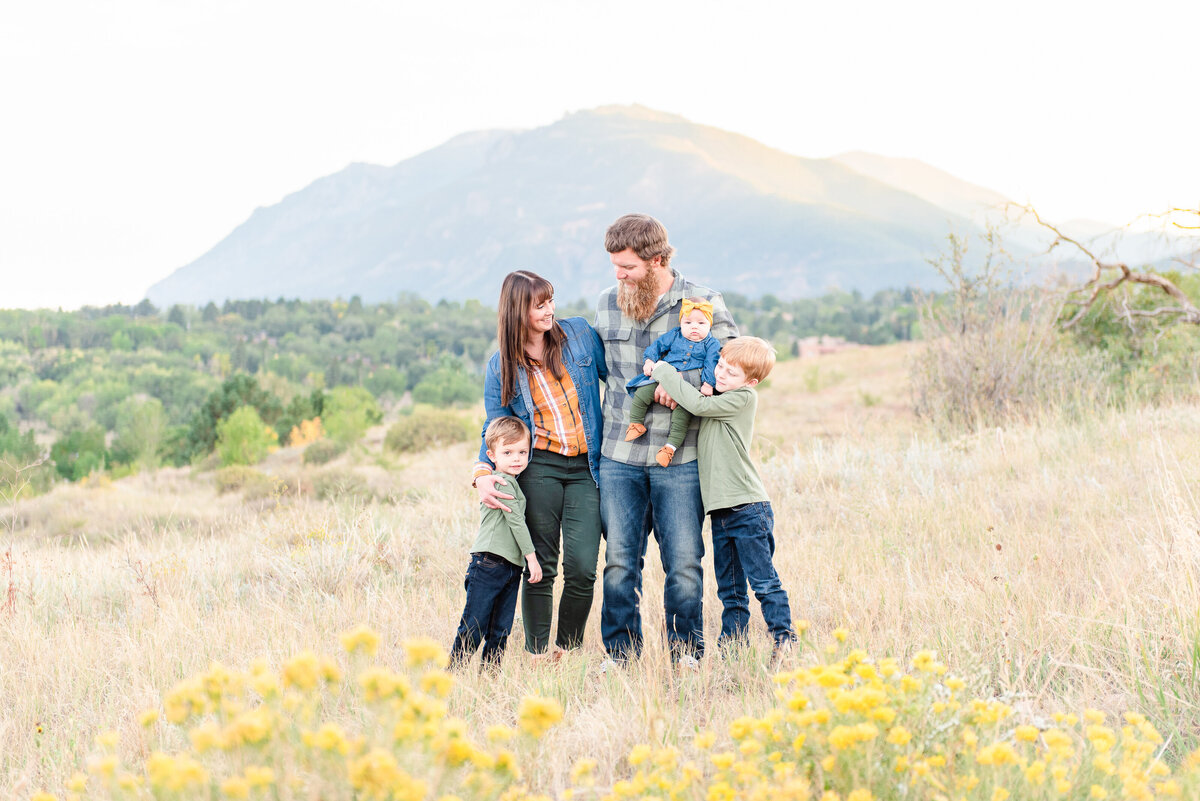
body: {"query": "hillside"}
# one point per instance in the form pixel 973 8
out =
pixel 449 223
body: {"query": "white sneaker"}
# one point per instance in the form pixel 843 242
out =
pixel 609 665
pixel 688 662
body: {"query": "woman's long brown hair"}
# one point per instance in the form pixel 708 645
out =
pixel 518 294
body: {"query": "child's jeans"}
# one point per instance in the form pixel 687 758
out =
pixel 492 583
pixel 743 545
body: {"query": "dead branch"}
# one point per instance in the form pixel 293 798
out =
pixel 1185 311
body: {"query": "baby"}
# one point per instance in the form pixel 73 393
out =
pixel 691 346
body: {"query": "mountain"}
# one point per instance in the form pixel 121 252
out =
pixel 450 222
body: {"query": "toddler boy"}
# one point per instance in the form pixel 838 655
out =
pixel 734 498
pixel 494 575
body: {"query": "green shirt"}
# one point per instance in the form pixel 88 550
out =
pixel 727 476
pixel 505 533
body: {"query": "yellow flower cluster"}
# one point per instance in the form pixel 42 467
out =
pixel 851 728
pixel 268 734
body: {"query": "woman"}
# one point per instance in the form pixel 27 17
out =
pixel 548 373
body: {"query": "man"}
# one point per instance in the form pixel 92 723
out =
pixel 636 494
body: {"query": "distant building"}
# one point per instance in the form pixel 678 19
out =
pixel 822 346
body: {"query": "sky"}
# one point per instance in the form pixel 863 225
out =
pixel 135 135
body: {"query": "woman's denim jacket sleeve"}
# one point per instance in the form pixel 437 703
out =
pixel 583 356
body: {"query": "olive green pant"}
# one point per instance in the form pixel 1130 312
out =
pixel 560 496
pixel 643 396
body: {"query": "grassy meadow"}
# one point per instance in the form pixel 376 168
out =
pixel 1054 565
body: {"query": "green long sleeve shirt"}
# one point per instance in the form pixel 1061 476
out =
pixel 727 476
pixel 505 533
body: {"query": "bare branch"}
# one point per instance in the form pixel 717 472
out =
pixel 1186 311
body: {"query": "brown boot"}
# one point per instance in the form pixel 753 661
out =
pixel 634 431
pixel 665 454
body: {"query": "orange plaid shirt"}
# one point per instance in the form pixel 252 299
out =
pixel 557 421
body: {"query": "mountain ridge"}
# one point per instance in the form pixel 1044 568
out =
pixel 451 221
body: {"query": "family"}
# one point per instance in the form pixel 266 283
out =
pixel 559 470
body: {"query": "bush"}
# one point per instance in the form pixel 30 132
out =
pixel 243 438
pixel 240 478
pixel 79 453
pixel 427 428
pixel 348 412
pixel 333 483
pixel 322 451
pixel 992 347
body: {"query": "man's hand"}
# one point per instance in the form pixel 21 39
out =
pixel 661 397
pixel 648 367
pixel 489 495
pixel 535 570
pixel 706 388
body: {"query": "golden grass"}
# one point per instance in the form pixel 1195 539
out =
pixel 1054 564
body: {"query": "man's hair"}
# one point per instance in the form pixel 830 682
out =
pixel 504 430
pixel 754 356
pixel 642 234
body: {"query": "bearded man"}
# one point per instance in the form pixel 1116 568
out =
pixel 636 494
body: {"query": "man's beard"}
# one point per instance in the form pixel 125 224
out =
pixel 640 300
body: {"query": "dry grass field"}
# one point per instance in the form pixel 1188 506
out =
pixel 1054 564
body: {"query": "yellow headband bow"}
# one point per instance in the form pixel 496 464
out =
pixel 702 306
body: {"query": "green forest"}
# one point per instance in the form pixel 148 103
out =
pixel 122 388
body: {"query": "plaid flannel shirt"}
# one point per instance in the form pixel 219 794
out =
pixel 624 341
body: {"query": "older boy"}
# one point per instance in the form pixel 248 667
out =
pixel 734 496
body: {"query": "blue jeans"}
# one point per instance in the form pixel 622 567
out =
pixel 634 500
pixel 743 546
pixel 491 585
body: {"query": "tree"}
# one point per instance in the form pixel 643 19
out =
pixel 141 432
pixel 243 438
pixel 348 412
pixel 79 453
pixel 237 391
pixel 1107 276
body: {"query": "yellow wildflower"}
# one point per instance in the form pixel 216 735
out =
pixel 235 787
pixel 1097 792
pixel 841 634
pixel 583 771
pixel 77 783
pixel 899 736
pixel 421 651
pixel 537 715
pixel 1026 734
pixel 302 671
pixel 259 776
pixel 438 684
pixel 704 740
pixel 148 718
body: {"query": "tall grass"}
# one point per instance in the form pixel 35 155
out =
pixel 1053 563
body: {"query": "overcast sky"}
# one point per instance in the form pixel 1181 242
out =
pixel 134 135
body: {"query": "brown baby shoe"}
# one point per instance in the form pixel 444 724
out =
pixel 665 454
pixel 634 431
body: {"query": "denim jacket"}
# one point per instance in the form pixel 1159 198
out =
pixel 583 356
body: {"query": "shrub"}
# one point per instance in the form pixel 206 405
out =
pixel 243 438
pixel 240 478
pixel 427 428
pixel 322 451
pixel 331 484
pixel 79 453
pixel 349 411
pixel 992 346
pixel 279 734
